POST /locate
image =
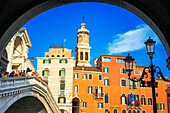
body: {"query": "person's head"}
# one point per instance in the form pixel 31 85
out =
pixel 12 72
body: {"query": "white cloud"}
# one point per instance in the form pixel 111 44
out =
pixel 131 40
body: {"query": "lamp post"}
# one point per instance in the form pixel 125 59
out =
pixel 150 47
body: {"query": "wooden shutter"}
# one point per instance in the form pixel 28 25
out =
pixel 43 61
pixel 101 105
pixel 108 70
pixel 108 83
pixel 49 61
pixel 58 99
pixel 64 99
pixel 59 72
pixel 42 73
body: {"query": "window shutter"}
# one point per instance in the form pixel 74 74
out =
pixel 49 61
pixel 43 61
pixel 104 81
pixel 60 73
pixel 144 101
pixel 64 99
pixel 86 104
pixel 121 99
pixel 157 106
pixel 101 105
pixel 125 100
pixel 163 106
pixel 58 99
pixel 88 89
pixel 108 70
pixel 108 83
pixel 42 73
pixel 98 104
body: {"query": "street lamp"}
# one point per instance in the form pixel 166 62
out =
pixel 150 47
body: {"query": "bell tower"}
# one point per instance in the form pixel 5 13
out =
pixel 83 49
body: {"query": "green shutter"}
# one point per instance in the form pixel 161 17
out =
pixel 45 73
pixel 98 104
pixel 102 105
pixel 58 99
pixel 108 83
pixel 62 72
pixel 108 70
pixel 157 106
pixel 49 61
pixel 62 86
pixel 42 73
pixel 104 82
pixel 64 99
pixel 43 61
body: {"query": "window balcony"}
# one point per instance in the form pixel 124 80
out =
pixel 132 87
pixel 62 92
pixel 62 78
pixel 136 105
pixel 98 95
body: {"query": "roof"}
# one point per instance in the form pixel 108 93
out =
pixel 140 66
pixel 87 68
pixel 57 47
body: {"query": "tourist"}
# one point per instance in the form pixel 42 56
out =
pixel 11 74
pixel 23 73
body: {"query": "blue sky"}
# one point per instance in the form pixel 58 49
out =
pixel 113 30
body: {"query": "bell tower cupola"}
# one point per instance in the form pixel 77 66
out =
pixel 83 49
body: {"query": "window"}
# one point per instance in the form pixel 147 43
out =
pixel 62 86
pixel 157 105
pixel 118 60
pixel 138 111
pixel 106 70
pixel 106 98
pixel 100 77
pixel 143 111
pixel 136 100
pixel 115 111
pixel 136 72
pixel 149 101
pixel 58 55
pixel 62 72
pixel 90 90
pixel 76 75
pixel 129 111
pixel 106 60
pixel 52 56
pixel 123 82
pixel 84 104
pixel 106 111
pixel 90 76
pixel 143 101
pixel 141 72
pixel 156 94
pixel 63 56
pixel 61 100
pixel 98 92
pixel 134 111
pixel 84 76
pixel 46 61
pixel 63 61
pixel 123 99
pixel 45 72
pixel 123 111
pixel 86 56
pixel 81 55
pixel 122 70
pixel 100 105
pixel 76 89
pixel 106 82
pixel 162 106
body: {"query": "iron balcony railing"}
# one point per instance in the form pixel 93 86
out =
pixel 136 105
pixel 61 92
pixel 132 87
pixel 98 95
pixel 62 78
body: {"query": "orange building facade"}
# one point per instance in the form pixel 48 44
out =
pixel 106 88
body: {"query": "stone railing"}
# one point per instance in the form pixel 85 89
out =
pixel 17 85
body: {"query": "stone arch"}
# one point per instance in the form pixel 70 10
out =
pixel 15 98
pixel 43 6
pixel 18 46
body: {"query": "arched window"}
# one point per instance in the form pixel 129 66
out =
pixel 58 55
pixel 143 111
pixel 86 56
pixel 47 55
pixel 123 111
pixel 106 82
pixel 45 74
pixel 63 55
pixel 62 72
pixel 81 55
pixel 123 99
pixel 106 111
pixel 134 111
pixel 52 56
pixel 129 111
pixel 115 111
pixel 138 111
pixel 106 98
pixel 143 100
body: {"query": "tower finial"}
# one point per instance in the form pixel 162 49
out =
pixel 83 18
